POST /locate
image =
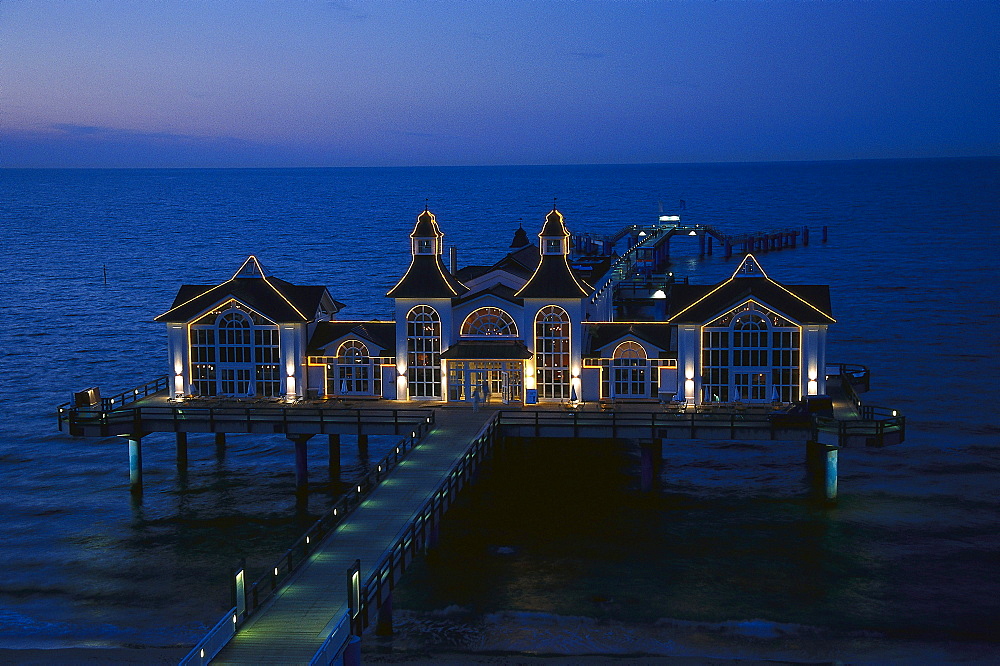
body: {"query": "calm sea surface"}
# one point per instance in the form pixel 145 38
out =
pixel 554 551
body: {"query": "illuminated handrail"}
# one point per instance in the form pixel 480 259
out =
pixel 262 589
pixel 213 642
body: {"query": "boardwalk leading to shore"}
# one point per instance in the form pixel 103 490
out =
pixel 293 626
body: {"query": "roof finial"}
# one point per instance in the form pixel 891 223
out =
pixel 554 199
pixel 427 205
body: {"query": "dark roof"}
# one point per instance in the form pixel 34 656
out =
pixel 426 226
pixel 554 225
pixel 272 297
pixel 600 334
pixel 498 290
pixel 491 349
pixel 805 303
pixel 381 333
pixel 554 279
pixel 427 278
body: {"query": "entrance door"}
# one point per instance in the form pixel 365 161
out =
pixel 503 378
pixel 751 386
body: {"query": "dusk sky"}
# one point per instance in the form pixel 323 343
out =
pixel 378 83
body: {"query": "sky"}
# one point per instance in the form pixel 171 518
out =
pixel 255 83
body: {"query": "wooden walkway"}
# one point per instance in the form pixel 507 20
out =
pixel 293 626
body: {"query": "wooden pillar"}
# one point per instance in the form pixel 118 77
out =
pixel 709 250
pixel 727 250
pixel 135 463
pixel 805 236
pixel 824 233
pixel 701 245
pixel 363 446
pixel 301 460
pixel 650 456
pixel 383 624
pixel 220 446
pixel 334 446
pixel 821 469
pixel 182 451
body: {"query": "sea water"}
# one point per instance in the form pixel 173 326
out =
pixel 555 551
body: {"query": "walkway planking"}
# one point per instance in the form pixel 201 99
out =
pixel 293 626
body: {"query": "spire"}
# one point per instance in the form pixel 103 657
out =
pixel 427 276
pixel 553 277
pixel 520 238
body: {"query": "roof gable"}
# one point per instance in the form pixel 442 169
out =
pixel 381 335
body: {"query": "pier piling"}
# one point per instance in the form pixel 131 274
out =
pixel 301 461
pixel 135 463
pixel 220 446
pixel 182 452
pixel 383 623
pixel 334 447
pixel 821 469
pixel 650 456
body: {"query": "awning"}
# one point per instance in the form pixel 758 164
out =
pixel 499 350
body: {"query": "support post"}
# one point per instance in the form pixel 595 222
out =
pixel 824 233
pixel 363 447
pixel 182 451
pixel 821 468
pixel 220 446
pixel 135 463
pixel 805 236
pixel 383 624
pixel 701 245
pixel 301 461
pixel 650 455
pixel 334 446
pixel 709 248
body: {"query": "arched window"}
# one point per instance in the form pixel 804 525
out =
pixel 235 351
pixel 552 352
pixel 423 352
pixel 751 354
pixel 629 367
pixel 354 371
pixel 489 321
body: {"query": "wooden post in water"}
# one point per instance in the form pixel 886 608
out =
pixel 650 456
pixel 182 452
pixel 363 447
pixel 805 236
pixel 701 245
pixel 301 461
pixel 709 249
pixel 727 251
pixel 220 446
pixel 383 623
pixel 824 233
pixel 334 446
pixel 135 463
pixel 821 469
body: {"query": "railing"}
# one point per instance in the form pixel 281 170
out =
pixel 213 642
pixel 655 420
pixel 406 547
pixel 231 415
pixel 67 410
pixel 334 644
pixel 270 582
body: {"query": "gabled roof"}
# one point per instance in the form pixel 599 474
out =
pixel 598 335
pixel 804 303
pixel 427 278
pixel 272 297
pixel 382 334
pixel 499 290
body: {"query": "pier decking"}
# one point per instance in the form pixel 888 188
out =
pixel 294 625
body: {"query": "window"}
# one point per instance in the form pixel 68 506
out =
pixel 750 354
pixel 235 351
pixel 489 321
pixel 353 372
pixel 629 367
pixel 423 352
pixel 552 353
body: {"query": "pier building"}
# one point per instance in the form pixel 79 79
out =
pixel 542 324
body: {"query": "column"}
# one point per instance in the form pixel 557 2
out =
pixel 383 624
pixel 182 452
pixel 301 461
pixel 135 463
pixel 821 469
pixel 650 457
pixel 220 446
pixel 334 446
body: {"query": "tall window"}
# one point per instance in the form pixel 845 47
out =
pixel 750 354
pixel 629 367
pixel 235 352
pixel 423 352
pixel 552 352
pixel 489 321
pixel 353 372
